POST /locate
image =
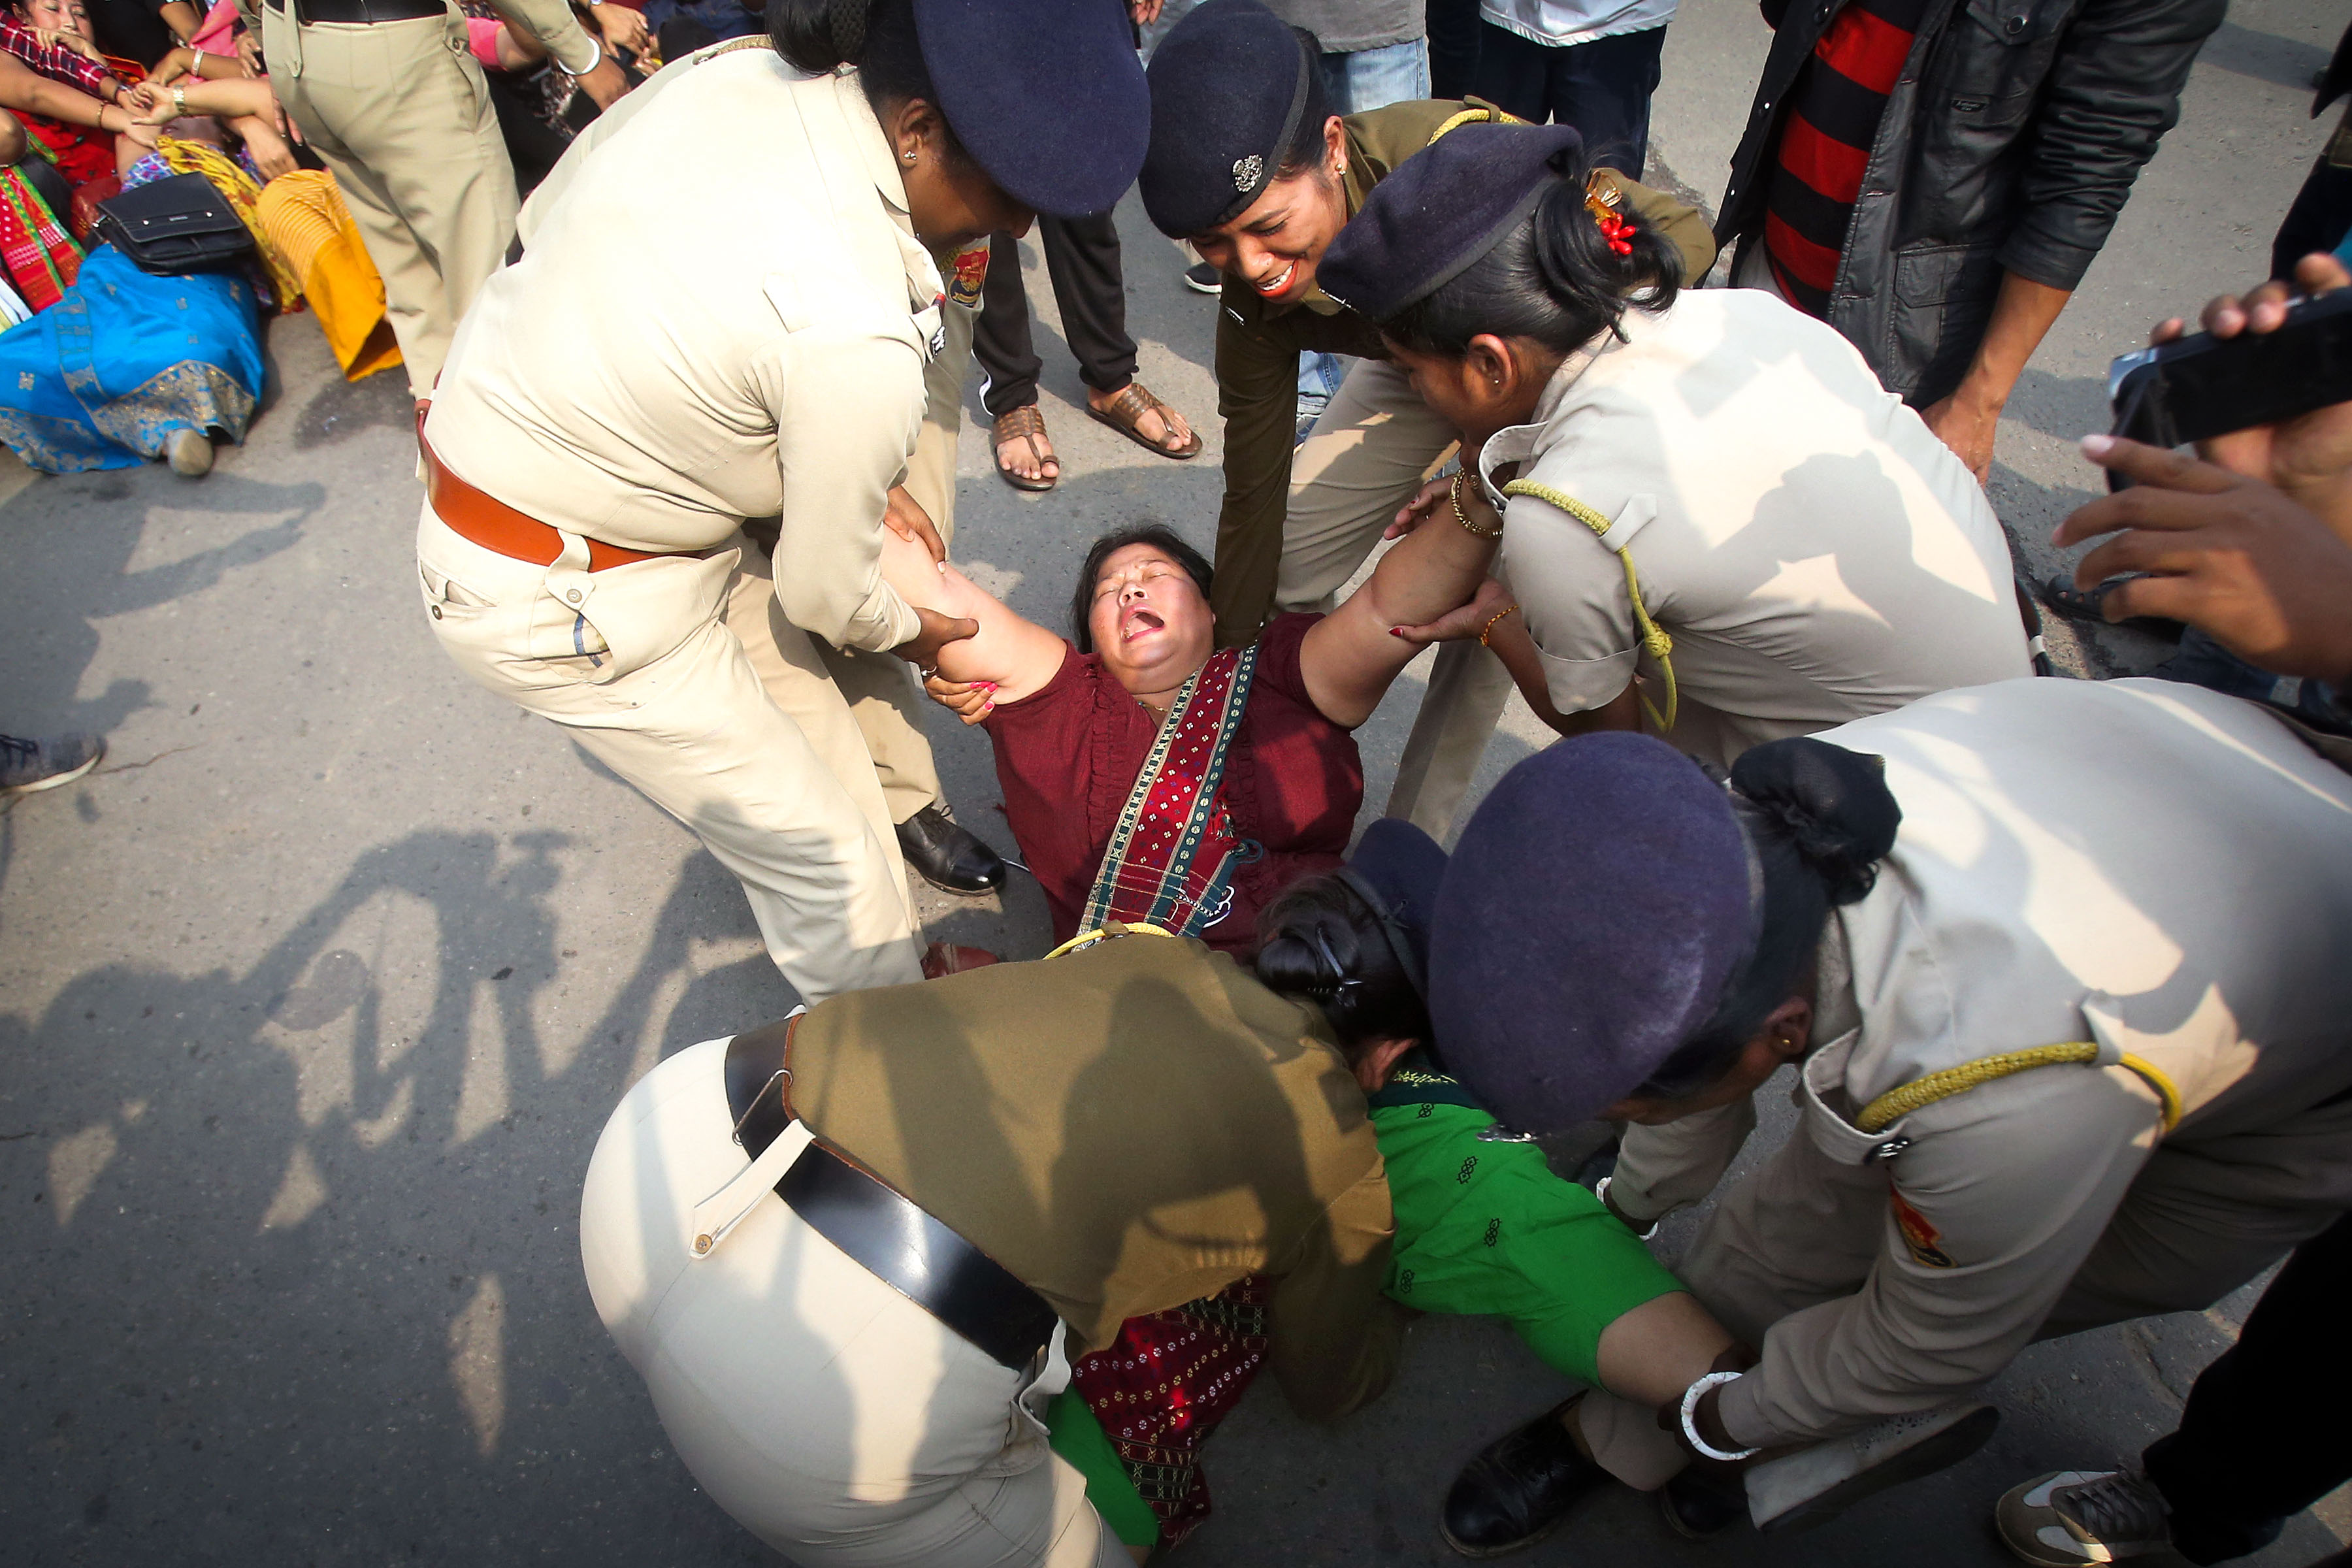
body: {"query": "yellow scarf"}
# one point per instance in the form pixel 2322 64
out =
pixel 243 197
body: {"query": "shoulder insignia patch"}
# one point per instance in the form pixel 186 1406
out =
pixel 1918 1236
pixel 971 272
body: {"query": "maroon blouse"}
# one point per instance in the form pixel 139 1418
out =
pixel 1067 756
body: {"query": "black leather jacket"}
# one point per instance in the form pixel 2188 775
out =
pixel 2010 143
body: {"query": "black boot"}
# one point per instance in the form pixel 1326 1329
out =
pixel 1698 1503
pixel 949 856
pixel 1518 1489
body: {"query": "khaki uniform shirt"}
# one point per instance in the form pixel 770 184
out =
pixel 1127 1129
pixel 1258 346
pixel 1815 552
pixel 723 313
pixel 2148 867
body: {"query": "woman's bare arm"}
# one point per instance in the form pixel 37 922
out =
pixel 1018 655
pixel 238 97
pixel 1350 657
pixel 1519 655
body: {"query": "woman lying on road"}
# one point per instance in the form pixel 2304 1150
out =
pixel 1714 506
pixel 1186 787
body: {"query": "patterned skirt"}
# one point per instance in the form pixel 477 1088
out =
pixel 1160 1388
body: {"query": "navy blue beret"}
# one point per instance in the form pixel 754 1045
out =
pixel 1439 211
pixel 1397 869
pixel 1229 85
pixel 1591 918
pixel 1046 95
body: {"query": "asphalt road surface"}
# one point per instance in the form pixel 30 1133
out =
pixel 313 1000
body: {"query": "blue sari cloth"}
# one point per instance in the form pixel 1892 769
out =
pixel 104 377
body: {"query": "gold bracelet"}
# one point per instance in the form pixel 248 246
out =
pixel 1454 493
pixel 1488 629
pixel 180 98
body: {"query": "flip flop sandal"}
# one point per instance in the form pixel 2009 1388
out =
pixel 1026 424
pixel 2079 605
pixel 1127 411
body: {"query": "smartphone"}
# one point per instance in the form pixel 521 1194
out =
pixel 2203 386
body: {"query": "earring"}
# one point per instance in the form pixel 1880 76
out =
pixel 906 157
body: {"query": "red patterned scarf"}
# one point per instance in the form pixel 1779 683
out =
pixel 1169 862
pixel 42 259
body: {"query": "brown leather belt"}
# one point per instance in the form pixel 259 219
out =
pixel 494 525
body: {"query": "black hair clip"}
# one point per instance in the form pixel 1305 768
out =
pixel 1342 981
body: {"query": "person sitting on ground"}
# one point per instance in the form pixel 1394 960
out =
pixel 147 366
pixel 1715 512
pixel 1150 776
pixel 303 232
pixel 52 81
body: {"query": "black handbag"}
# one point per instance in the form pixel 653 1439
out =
pixel 173 227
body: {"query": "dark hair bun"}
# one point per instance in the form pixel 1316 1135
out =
pixel 816 35
pixel 1833 807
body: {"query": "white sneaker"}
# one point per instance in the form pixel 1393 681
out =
pixel 2069 1518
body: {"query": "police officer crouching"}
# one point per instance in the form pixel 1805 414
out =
pixel 2060 966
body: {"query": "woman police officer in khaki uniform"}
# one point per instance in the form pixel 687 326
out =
pixel 771 224
pixel 1248 165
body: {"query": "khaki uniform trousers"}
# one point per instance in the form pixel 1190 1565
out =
pixel 830 1415
pixel 689 683
pixel 400 114
pixel 1363 460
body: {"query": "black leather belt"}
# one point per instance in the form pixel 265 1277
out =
pixel 908 1250
pixel 364 10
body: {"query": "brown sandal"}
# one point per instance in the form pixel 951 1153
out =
pixel 1126 412
pixel 1026 424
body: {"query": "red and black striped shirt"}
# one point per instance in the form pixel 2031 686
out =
pixel 1832 119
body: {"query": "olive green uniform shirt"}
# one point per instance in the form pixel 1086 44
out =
pixel 1126 1129
pixel 1259 342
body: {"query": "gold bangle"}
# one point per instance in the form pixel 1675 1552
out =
pixel 1488 629
pixel 1454 493
pixel 179 98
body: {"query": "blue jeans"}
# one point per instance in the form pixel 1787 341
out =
pixel 2201 661
pixel 1355 83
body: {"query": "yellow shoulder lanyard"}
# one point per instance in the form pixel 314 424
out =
pixel 1481 113
pixel 1900 1102
pixel 1655 640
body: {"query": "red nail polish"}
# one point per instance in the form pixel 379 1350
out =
pixel 1396 631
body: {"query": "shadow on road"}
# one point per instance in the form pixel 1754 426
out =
pixel 228 1198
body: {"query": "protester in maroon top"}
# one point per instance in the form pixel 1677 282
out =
pixel 1072 725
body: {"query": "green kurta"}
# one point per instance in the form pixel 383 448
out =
pixel 1258 346
pixel 1486 1229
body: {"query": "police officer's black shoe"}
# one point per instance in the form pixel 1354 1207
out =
pixel 948 855
pixel 1696 1504
pixel 1518 1489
